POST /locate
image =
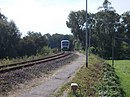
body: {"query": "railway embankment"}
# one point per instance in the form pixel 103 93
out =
pixel 13 80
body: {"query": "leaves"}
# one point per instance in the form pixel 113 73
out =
pixel 110 87
pixel 104 27
pixel 106 6
pixel 9 38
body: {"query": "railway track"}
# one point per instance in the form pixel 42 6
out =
pixel 20 65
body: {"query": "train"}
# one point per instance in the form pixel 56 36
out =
pixel 65 45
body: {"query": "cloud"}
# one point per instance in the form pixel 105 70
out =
pixel 44 16
pixel 50 16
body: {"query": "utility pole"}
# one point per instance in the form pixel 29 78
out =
pixel 113 47
pixel 86 37
pixel 113 42
pixel 89 43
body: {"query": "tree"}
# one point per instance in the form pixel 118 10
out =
pixel 2 17
pixel 77 23
pixel 126 23
pixel 9 37
pixel 32 43
pixel 48 38
pixel 55 40
pixel 104 32
pixel 106 26
pixel 106 6
pixel 123 36
pixel 105 29
pixel 14 37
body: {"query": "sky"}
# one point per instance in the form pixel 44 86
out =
pixel 50 16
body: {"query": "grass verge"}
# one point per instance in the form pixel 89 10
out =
pixel 86 78
pixel 122 68
pixel 98 80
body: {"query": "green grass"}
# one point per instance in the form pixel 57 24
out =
pixel 98 78
pixel 6 61
pixel 86 78
pixel 122 68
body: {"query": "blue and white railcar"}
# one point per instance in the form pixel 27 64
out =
pixel 65 45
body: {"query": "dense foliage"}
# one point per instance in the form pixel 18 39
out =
pixel 13 45
pixel 110 85
pixel 106 29
pixel 9 37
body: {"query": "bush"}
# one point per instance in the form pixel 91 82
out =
pixel 110 87
pixel 45 50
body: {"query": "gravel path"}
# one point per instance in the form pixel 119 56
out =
pixel 47 88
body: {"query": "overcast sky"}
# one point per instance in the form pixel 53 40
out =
pixel 50 16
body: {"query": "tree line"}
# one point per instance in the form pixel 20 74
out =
pixel 106 29
pixel 13 45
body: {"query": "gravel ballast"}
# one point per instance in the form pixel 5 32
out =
pixel 11 81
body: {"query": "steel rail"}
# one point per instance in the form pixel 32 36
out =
pixel 31 63
pixel 19 63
